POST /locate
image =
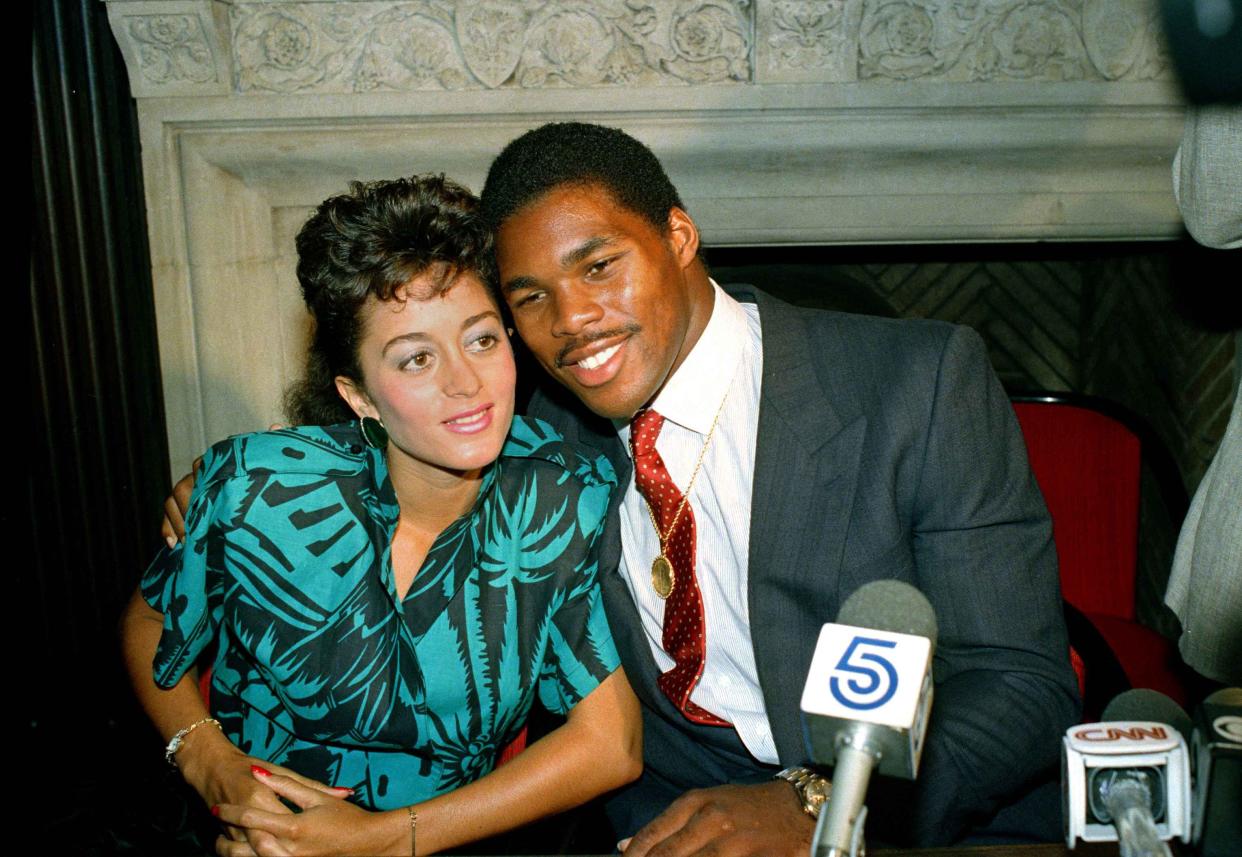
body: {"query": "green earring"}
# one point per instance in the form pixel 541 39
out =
pixel 373 432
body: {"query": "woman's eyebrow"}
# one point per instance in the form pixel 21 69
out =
pixel 413 335
pixel 418 334
pixel 475 319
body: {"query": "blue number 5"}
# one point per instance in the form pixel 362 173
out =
pixel 853 661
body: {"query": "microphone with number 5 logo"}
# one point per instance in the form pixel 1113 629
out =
pixel 866 702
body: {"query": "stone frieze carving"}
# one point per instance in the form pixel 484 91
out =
pixel 488 44
pixel 984 40
pixel 299 46
pixel 808 40
pixel 171 49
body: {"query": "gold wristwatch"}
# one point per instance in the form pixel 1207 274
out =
pixel 812 789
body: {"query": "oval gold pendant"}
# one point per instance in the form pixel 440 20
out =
pixel 662 576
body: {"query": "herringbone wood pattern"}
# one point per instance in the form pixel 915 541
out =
pixel 1098 320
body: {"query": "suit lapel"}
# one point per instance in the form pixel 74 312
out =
pixel 806 467
pixel 623 617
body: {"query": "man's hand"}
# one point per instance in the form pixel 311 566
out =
pixel 764 820
pixel 173 528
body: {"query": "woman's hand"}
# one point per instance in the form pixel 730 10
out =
pixel 208 760
pixel 223 774
pixel 325 826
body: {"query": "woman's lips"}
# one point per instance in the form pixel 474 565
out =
pixel 470 422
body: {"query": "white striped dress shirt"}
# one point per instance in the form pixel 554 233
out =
pixel 727 361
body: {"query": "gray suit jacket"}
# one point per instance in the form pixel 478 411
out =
pixel 886 449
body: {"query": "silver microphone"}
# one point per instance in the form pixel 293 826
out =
pixel 866 702
pixel 1127 778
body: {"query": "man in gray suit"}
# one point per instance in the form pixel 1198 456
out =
pixel 817 451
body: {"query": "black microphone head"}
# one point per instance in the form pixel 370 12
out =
pixel 1144 704
pixel 1225 696
pixel 890 605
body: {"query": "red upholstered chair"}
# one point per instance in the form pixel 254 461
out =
pixel 1087 456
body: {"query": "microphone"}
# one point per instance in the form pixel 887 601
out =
pixel 1127 778
pixel 866 702
pixel 1216 752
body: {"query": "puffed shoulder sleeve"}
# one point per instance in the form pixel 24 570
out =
pixel 187 583
pixel 579 651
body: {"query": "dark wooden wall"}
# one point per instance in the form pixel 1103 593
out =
pixel 98 455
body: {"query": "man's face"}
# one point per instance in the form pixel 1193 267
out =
pixel 600 295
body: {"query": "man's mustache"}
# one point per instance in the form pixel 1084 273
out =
pixel 587 338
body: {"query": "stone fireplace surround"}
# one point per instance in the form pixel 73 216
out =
pixel 781 122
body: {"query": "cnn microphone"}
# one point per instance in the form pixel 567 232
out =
pixel 1216 752
pixel 866 702
pixel 1127 778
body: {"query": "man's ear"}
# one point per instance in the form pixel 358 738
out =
pixel 683 236
pixel 356 397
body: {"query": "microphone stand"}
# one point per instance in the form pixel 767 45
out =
pixel 839 831
pixel 1129 802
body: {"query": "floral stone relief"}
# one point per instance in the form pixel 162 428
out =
pixel 378 46
pixel 809 40
pixel 983 40
pixel 487 44
pixel 171 48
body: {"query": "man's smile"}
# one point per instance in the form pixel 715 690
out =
pixel 599 358
pixel 599 361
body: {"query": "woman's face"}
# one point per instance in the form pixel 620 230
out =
pixel 438 373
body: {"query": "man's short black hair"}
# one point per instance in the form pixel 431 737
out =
pixel 575 153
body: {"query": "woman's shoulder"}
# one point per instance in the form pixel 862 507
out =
pixel 309 450
pixel 533 443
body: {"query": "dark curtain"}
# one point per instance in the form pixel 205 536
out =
pixel 98 468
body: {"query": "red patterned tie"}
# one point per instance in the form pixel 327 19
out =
pixel 684 628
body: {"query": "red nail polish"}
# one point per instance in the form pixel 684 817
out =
pixel 215 810
pixel 262 772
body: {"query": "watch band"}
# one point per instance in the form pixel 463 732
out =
pixel 813 790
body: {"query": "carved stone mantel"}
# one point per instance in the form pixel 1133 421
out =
pixel 781 121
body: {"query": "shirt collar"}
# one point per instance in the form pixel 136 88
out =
pixel 693 395
pixel 382 500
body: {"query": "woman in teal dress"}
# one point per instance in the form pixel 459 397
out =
pixel 387 596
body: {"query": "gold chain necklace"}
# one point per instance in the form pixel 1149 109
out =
pixel 663 577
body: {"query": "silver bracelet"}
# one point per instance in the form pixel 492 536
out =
pixel 174 745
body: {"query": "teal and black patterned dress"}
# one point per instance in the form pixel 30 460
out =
pixel 320 668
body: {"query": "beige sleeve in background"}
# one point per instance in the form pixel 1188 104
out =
pixel 1205 585
pixel 1207 176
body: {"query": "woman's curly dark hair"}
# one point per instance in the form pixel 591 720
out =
pixel 368 243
